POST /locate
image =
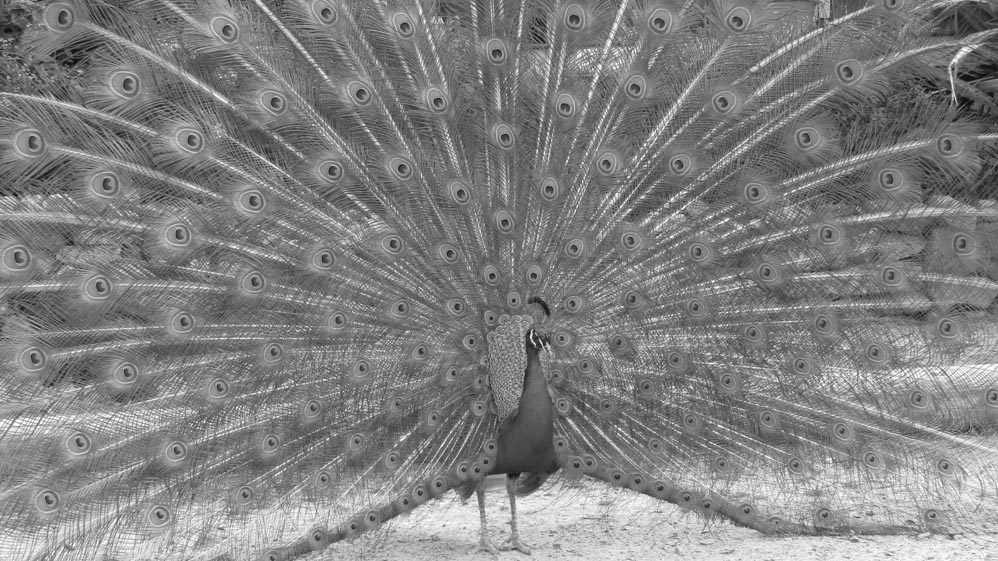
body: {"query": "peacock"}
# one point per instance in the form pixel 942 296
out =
pixel 275 273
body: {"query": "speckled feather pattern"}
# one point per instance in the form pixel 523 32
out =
pixel 507 362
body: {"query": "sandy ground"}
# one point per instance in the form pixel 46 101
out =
pixel 593 523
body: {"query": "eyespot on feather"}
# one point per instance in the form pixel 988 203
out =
pixel 218 389
pixel 435 100
pixel 660 21
pixel 47 502
pixel 490 274
pixel 575 18
pixel 496 51
pixel 224 29
pixel 59 17
pixel 329 171
pixel 124 84
pixel 29 143
pixel 106 185
pixel 392 244
pixel 448 253
pixel 566 105
pixel 16 260
pixel 503 136
pixel 359 93
pixel 504 221
pixel 609 162
pixel 738 19
pixel 549 189
pixel 635 87
pixel 158 516
pixel 534 275
pixel 324 12
pixel 849 72
pixel 403 25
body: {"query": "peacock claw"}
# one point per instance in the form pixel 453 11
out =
pixel 514 543
pixel 485 545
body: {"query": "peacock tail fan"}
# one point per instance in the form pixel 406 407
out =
pixel 252 253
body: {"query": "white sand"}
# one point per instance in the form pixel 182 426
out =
pixel 604 525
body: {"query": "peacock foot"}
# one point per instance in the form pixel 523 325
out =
pixel 514 543
pixel 485 545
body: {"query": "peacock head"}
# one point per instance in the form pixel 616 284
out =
pixel 538 337
pixel 537 340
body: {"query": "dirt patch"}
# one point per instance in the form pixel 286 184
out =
pixel 595 523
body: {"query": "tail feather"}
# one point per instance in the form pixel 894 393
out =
pixel 531 482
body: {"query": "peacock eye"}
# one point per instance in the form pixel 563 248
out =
pixel 504 136
pixel 330 170
pixel 504 222
pixel 435 100
pixel 244 495
pixel 47 501
pixel 608 162
pixel 359 93
pixel 190 140
pixel 738 19
pixel 660 21
pixel 534 274
pixel 401 168
pixel 849 71
pixel 105 184
pixel 124 84
pixel 16 258
pixel 680 164
pixel 404 26
pixel 723 102
pixel 324 12
pixel 807 138
pixel 565 105
pixel 636 87
pixel 459 192
pixel 496 51
pixel 550 188
pixel 158 516
pixel 755 192
pixel 29 143
pixel 392 244
pixel 224 29
pixel 59 17
pixel 273 102
pixel 575 17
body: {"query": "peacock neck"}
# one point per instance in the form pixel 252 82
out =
pixel 535 401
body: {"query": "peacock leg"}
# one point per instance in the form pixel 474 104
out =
pixel 483 544
pixel 514 538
